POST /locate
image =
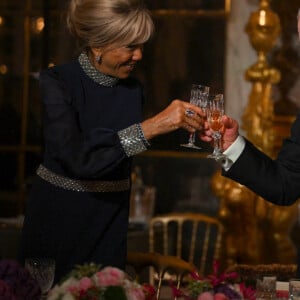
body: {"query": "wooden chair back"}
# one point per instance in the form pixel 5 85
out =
pixel 193 237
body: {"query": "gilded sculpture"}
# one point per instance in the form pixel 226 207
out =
pixel 253 226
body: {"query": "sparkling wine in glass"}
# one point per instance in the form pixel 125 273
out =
pixel 214 114
pixel 42 270
pixel 199 97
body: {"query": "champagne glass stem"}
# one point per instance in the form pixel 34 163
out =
pixel 217 143
pixel 217 152
pixel 192 138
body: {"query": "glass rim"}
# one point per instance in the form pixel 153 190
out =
pixel 38 260
pixel 216 97
pixel 200 86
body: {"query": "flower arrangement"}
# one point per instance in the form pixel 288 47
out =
pixel 90 282
pixel 218 286
pixel 16 282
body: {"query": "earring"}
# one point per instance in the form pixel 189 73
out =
pixel 98 59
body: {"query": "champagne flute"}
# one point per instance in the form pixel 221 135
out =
pixel 214 114
pixel 199 97
pixel 42 270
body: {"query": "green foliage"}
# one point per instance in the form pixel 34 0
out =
pixel 85 270
pixel 115 292
pixel 198 287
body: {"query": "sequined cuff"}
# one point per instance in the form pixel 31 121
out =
pixel 133 140
pixel 141 132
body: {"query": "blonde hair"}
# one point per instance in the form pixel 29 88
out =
pixel 100 23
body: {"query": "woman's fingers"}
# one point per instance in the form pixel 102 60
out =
pixel 179 114
pixel 191 117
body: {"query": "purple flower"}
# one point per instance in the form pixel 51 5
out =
pixel 5 291
pixel 19 281
pixel 227 291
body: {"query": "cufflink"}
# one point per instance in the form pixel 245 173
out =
pixel 226 163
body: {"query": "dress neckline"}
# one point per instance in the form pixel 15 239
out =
pixel 95 74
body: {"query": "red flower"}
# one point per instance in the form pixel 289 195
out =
pixel 149 291
pixel 216 279
pixel 247 292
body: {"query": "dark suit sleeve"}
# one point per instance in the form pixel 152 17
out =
pixel 278 181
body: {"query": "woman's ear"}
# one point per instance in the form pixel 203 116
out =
pixel 97 52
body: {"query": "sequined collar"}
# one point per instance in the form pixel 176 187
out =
pixel 94 74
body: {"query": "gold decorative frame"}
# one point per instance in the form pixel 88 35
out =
pixel 196 12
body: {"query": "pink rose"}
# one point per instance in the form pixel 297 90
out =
pixel 135 293
pixel 71 285
pixel 220 296
pixel 205 296
pixel 85 283
pixel 110 276
pixel 73 289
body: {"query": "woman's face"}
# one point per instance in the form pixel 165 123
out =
pixel 119 62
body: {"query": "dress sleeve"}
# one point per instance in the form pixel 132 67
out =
pixel 94 154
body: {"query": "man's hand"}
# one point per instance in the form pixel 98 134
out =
pixel 230 131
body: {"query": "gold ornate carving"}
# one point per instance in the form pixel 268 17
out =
pixel 254 226
pixel 263 29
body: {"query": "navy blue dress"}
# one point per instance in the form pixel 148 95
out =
pixel 81 120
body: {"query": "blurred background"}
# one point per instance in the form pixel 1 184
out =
pixel 196 41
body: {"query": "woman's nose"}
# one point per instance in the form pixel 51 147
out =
pixel 138 53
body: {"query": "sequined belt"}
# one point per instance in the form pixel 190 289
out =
pixel 94 186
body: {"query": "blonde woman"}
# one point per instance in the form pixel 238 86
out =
pixel 78 207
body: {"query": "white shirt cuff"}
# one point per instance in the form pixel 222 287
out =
pixel 233 152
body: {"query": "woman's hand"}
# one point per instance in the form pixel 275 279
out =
pixel 179 114
pixel 230 131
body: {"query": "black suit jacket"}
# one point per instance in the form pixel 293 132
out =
pixel 278 181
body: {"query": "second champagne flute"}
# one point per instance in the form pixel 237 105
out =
pixel 199 97
pixel 214 113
